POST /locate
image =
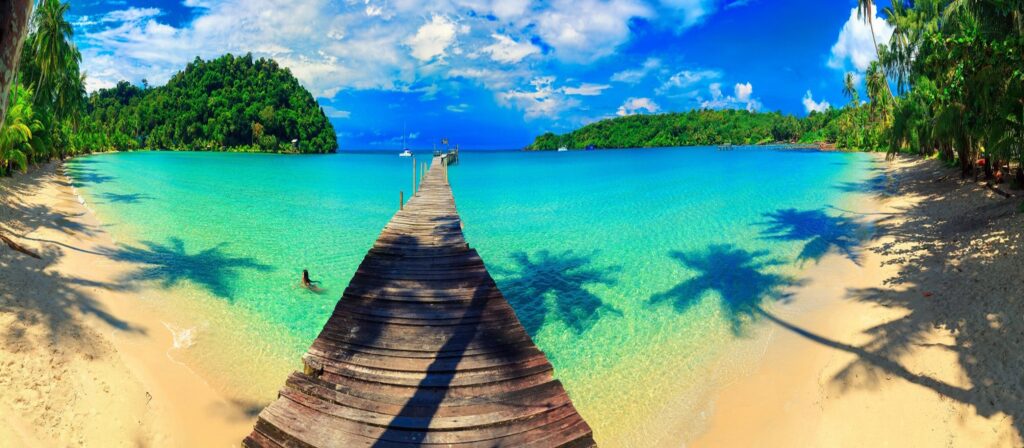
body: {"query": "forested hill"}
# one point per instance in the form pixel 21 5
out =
pixel 714 127
pixel 226 104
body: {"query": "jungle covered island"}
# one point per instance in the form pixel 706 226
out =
pixel 852 127
pixel 226 104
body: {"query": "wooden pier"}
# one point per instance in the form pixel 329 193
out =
pixel 422 350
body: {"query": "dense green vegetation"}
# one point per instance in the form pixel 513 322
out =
pixel 230 103
pixel 848 128
pixel 958 69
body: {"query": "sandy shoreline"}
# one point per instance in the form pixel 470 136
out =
pixel 81 365
pixel 910 348
pixel 897 344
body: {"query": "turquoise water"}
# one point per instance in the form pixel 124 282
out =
pixel 636 271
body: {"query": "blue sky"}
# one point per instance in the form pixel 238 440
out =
pixel 493 74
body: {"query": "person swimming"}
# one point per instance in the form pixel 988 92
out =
pixel 307 283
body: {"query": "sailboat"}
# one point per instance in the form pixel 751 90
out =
pixel 405 148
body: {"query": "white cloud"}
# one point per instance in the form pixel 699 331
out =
pixel 543 101
pixel 432 47
pixel 336 113
pixel 458 108
pixel 633 106
pixel 854 48
pixel 586 89
pixel 507 50
pixel 634 76
pixel 740 99
pixel 687 78
pixel 432 39
pixel 743 91
pixel 131 14
pixel 811 106
pixel 582 31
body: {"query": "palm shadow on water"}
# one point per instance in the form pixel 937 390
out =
pixel 127 198
pixel 85 176
pixel 737 275
pixel 552 286
pixel 211 269
pixel 985 325
pixel 818 231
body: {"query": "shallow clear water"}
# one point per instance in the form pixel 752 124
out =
pixel 635 271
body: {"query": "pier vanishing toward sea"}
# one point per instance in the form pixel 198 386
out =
pixel 422 350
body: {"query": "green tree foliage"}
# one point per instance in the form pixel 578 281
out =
pixel 229 103
pixel 960 66
pixel 846 128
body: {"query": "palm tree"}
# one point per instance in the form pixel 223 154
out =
pixel 866 11
pixel 57 81
pixel 16 133
pixel 850 89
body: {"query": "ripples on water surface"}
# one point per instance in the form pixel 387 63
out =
pixel 634 270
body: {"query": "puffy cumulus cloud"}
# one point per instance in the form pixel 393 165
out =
pixel 327 48
pixel 582 31
pixel 430 47
pixel 685 79
pixel 432 39
pixel 633 76
pixel 812 106
pixel 542 100
pixel 740 99
pixel 743 91
pixel 854 48
pixel 508 51
pixel 634 106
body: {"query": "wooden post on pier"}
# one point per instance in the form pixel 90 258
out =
pixel 414 175
pixel 401 200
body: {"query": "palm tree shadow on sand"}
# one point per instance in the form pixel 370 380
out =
pixel 552 286
pixel 737 275
pixel 211 269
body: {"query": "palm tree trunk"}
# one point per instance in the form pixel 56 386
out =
pixel 871 24
pixel 14 19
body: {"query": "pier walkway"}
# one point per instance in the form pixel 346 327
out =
pixel 422 350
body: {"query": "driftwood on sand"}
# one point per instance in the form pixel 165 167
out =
pixel 17 247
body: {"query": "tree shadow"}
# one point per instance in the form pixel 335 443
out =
pixel 129 198
pixel 549 285
pixel 39 295
pixel 736 275
pixel 212 268
pixel 880 186
pixel 81 176
pixel 819 231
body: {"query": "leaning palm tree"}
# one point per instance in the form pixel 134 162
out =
pixel 866 11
